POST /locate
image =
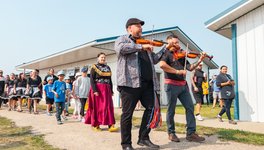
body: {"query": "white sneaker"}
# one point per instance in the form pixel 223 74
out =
pixel 199 117
pixel 83 120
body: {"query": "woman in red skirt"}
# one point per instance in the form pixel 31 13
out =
pixel 101 109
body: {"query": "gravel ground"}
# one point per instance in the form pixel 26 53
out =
pixel 74 135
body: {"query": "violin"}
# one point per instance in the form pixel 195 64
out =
pixel 182 54
pixel 153 43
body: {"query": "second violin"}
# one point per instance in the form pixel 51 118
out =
pixel 182 54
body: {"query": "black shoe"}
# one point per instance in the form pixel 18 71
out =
pixel 127 147
pixel 147 143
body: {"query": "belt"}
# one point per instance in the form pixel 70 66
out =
pixel 175 82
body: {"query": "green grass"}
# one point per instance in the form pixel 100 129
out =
pixel 20 138
pixel 206 111
pixel 223 134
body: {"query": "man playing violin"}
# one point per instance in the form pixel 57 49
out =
pixel 176 87
pixel 136 80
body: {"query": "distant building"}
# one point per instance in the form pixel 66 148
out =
pixel 243 23
pixel 71 60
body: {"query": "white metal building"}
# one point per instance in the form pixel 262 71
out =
pixel 71 60
pixel 243 23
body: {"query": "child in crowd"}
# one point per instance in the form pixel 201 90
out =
pixel 77 103
pixel 59 90
pixel 49 94
pixel 68 95
pixel 82 88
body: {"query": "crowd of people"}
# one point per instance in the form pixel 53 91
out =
pixel 137 84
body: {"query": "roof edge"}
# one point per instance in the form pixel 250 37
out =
pixel 54 54
pixel 225 12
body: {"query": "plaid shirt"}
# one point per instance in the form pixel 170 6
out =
pixel 128 66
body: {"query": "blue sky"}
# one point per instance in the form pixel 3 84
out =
pixel 31 29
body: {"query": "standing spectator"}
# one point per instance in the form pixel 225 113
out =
pixel 197 80
pixel 101 107
pixel 216 92
pixel 82 89
pixel 205 86
pixel 226 84
pixel 49 95
pixel 59 89
pixel 50 74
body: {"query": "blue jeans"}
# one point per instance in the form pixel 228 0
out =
pixel 59 108
pixel 182 92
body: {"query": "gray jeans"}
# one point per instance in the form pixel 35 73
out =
pixel 174 92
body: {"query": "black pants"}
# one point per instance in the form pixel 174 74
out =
pixel 1 102
pixel 226 108
pixel 83 102
pixel 130 97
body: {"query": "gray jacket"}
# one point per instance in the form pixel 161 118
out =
pixel 128 67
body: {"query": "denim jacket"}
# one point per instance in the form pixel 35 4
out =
pixel 128 66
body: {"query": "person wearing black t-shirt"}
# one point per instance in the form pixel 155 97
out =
pixel 197 78
pixel 136 80
pixel 50 74
pixel 227 90
pixel 176 87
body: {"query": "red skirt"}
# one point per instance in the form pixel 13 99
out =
pixel 101 108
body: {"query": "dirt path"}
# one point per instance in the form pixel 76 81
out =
pixel 74 135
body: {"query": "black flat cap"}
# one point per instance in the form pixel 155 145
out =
pixel 133 21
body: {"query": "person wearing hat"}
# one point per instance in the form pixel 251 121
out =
pixel 49 95
pixel 77 103
pixel 82 90
pixel 59 90
pixel 136 80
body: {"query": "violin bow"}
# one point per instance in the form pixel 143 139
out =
pixel 185 61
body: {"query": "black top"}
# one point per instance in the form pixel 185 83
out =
pixel 34 82
pixel 145 66
pixel 53 76
pixel 198 77
pixel 227 92
pixel 21 83
pixel 176 64
pixel 2 84
pixel 10 83
pixel 105 76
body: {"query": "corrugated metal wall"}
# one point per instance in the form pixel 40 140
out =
pixel 250 48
